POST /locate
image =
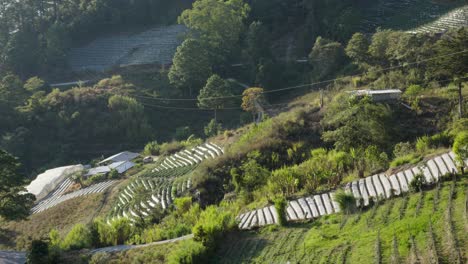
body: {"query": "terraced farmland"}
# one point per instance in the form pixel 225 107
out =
pixel 156 45
pixel 414 15
pixel 367 191
pixel 401 230
pixel 156 188
pixel 56 197
pixel 453 19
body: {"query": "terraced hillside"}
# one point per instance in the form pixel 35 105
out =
pixel 453 19
pixel 58 195
pixel 156 45
pixel 368 191
pixel 414 15
pixel 157 187
pixel 425 227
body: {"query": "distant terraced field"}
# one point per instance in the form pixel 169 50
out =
pixel 414 15
pixel 154 46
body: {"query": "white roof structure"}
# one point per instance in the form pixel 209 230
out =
pixel 120 166
pixel 47 181
pixel 378 95
pixel 122 156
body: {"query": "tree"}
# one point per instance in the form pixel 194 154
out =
pixel 219 23
pixel 252 99
pixel 213 128
pixel 357 49
pixel 326 56
pixel 210 96
pixel 34 84
pixel 358 123
pixel 460 148
pixel 130 118
pixel 191 65
pixel 453 66
pixel 15 203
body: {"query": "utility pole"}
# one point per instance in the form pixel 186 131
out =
pixel 321 98
pixel 460 99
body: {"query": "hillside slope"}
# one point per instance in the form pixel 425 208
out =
pixel 402 223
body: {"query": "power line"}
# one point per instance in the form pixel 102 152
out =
pixel 308 84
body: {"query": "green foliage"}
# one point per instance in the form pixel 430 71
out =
pixel 213 128
pixel 346 202
pixel 38 253
pixel 460 148
pixel 417 183
pixel 15 202
pixel 113 174
pixel 218 23
pixel 187 252
pixel 411 158
pixel 251 174
pixel 152 148
pixel 283 182
pixel 34 84
pixel 357 49
pixel 280 207
pixel 353 123
pixel 211 225
pixel 183 204
pixel 326 57
pixel 132 122
pixel 172 147
pixel 402 149
pixel 79 237
pixel 191 65
pixel 211 94
pixel 412 93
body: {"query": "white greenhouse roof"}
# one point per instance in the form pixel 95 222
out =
pixel 47 181
pixel 122 156
pixel 120 166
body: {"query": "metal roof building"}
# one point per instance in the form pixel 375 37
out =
pixel 378 95
pixel 122 156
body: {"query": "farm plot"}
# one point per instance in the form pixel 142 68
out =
pixel 57 196
pixel 376 187
pixel 156 189
pixel 421 233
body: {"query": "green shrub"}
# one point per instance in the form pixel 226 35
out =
pixel 402 149
pixel 169 148
pixel 417 183
pixel 346 202
pixel 460 148
pixel 407 159
pixel 280 206
pixel 213 128
pixel 38 253
pixel 423 144
pixel 212 224
pixel 283 181
pixel 187 252
pixel 123 230
pixel 79 237
pixel 152 148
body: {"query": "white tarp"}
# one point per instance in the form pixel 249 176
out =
pixel 47 181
